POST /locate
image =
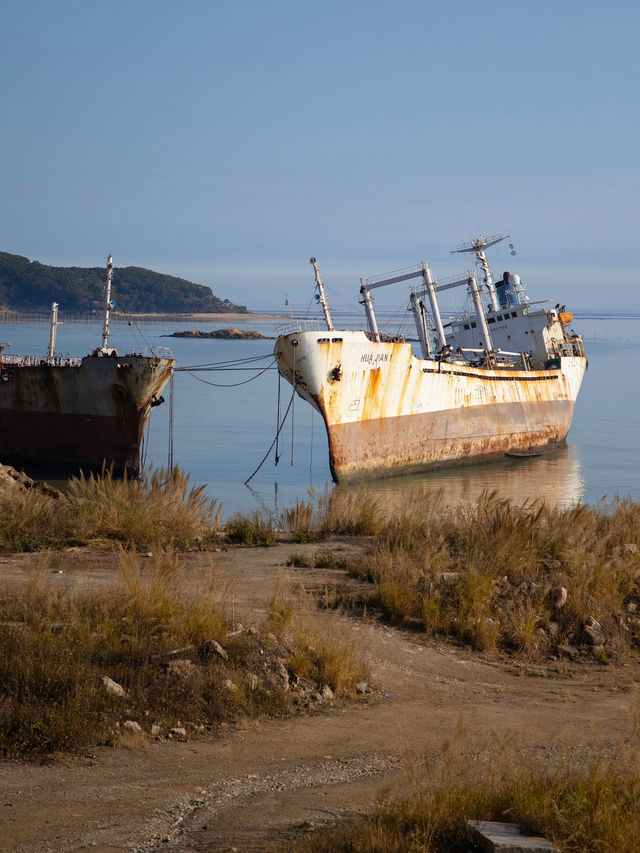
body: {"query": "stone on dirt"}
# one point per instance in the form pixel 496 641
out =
pixel 112 687
pixel 568 650
pixel 327 692
pixel 214 647
pixel 132 726
pixel 593 630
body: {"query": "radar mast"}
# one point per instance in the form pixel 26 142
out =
pixel 477 246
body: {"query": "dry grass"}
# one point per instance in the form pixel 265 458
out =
pixel 327 651
pixel 349 513
pixel 168 642
pixel 492 574
pixel 582 808
pixel 161 508
pixel 256 528
pixel 150 636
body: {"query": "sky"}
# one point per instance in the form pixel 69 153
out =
pixel 227 142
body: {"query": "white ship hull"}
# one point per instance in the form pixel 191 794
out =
pixel 388 412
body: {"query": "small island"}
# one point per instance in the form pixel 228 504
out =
pixel 230 334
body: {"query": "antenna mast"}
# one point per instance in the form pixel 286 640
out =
pixel 105 330
pixel 54 326
pixel 477 246
pixel 322 296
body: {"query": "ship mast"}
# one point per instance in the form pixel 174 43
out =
pixel 322 296
pixel 477 246
pixel 54 327
pixel 105 330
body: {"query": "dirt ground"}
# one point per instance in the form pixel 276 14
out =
pixel 277 778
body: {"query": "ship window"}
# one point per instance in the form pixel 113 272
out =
pixel 466 325
pixel 499 317
pixel 513 314
pixel 337 340
pixel 473 325
pixel 491 320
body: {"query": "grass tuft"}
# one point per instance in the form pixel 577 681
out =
pixel 489 574
pixel 160 508
pixel 326 650
pixel 256 528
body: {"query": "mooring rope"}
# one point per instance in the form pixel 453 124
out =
pixel 293 410
pixel 278 421
pixel 264 458
pixel 170 449
pixel 232 384
pixel 220 365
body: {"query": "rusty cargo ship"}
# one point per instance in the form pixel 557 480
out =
pixel 499 379
pixel 71 413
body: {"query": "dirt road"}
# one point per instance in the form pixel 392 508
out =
pixel 275 778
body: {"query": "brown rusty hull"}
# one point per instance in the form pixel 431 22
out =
pixel 70 440
pixel 80 414
pixel 419 442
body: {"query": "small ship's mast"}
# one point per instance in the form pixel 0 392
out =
pixel 54 327
pixel 430 287
pixel 105 330
pixel 322 295
pixel 477 246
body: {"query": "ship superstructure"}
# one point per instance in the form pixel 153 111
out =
pixel 501 379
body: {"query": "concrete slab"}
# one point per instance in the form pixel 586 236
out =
pixel 497 837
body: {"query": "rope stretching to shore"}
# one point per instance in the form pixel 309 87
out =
pixel 264 458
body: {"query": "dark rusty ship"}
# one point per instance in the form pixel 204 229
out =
pixel 80 413
pixel 499 379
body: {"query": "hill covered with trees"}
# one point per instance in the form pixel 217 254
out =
pixel 29 286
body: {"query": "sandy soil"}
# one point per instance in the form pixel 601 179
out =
pixel 273 779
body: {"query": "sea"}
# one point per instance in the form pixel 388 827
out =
pixel 225 416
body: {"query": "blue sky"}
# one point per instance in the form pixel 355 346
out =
pixel 226 142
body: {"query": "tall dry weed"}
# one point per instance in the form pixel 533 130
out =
pixel 160 507
pixel 326 650
pixel 489 573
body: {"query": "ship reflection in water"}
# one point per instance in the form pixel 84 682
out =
pixel 555 478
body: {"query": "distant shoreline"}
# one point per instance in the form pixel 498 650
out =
pixel 117 317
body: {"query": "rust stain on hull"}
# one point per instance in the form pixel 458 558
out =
pixel 384 446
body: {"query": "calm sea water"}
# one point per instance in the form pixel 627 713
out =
pixel 222 433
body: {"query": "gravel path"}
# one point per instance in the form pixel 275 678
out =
pixel 277 778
